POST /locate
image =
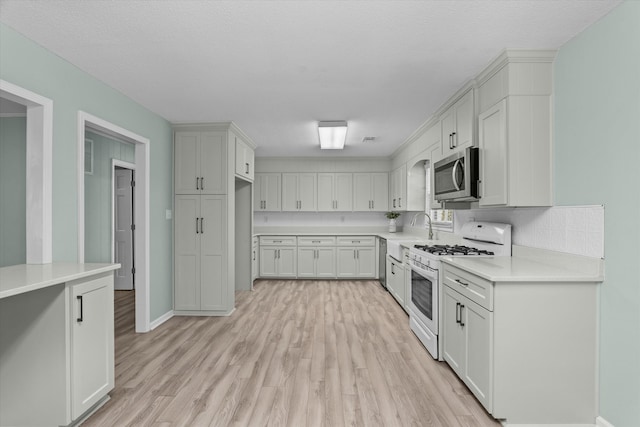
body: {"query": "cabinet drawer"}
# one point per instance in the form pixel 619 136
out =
pixel 475 288
pixel 356 241
pixel 317 241
pixel 278 240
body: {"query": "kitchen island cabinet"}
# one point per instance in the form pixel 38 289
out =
pixel 56 341
pixel 356 257
pixel 518 330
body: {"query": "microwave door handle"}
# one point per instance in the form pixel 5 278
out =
pixel 453 174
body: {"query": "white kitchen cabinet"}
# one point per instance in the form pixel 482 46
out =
pixel 395 280
pixel 407 280
pixel 92 342
pixel 371 191
pixel 255 259
pixel 507 341
pixel 56 342
pixel 335 192
pixel 398 188
pixel 356 257
pixel 515 130
pixel 277 261
pixel 467 338
pixel 267 192
pixel 278 256
pixel 200 253
pixel 245 159
pixel 436 154
pixel 200 165
pixel 207 162
pixel 316 257
pixel 457 124
pixel 299 192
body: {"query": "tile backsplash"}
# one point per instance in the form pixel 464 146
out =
pixel 576 230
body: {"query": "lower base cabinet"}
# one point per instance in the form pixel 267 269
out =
pixel 57 347
pixel 277 261
pixel 317 262
pixel 356 262
pixel 526 350
pixel 395 280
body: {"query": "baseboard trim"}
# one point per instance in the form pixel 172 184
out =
pixel 507 424
pixel 601 422
pixel 160 320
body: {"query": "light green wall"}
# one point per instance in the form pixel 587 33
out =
pixel 98 197
pixel 13 184
pixel 597 161
pixel 26 64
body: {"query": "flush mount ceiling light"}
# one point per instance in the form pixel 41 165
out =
pixel 332 135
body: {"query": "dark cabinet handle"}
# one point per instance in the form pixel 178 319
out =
pixel 453 140
pixel 81 318
pixel 457 312
pixel 197 229
pixel 247 170
pixel 202 183
pixel 201 225
pixel 399 202
pixel 461 282
pixel 197 183
pixel 461 308
pixel 254 255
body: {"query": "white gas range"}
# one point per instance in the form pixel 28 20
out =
pixel 480 239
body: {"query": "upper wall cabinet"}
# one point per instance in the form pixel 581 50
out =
pixel 515 129
pixel 457 124
pixel 200 162
pixel 335 192
pixel 398 189
pixel 267 192
pixel 371 192
pixel 299 192
pixel 245 163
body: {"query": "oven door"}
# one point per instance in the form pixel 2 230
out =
pixel 424 296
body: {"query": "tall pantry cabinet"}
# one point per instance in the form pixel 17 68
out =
pixel 205 221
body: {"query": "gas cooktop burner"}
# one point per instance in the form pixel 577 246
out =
pixel 452 250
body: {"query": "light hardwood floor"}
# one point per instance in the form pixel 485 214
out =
pixel 294 353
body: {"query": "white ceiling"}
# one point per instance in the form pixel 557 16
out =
pixel 277 67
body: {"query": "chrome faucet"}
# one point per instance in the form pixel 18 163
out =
pixel 413 222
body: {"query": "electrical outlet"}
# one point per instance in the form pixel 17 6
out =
pixel 167 214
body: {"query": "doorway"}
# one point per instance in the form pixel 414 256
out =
pixel 123 225
pixel 140 157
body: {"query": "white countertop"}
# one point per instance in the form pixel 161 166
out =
pixel 18 279
pixel 529 267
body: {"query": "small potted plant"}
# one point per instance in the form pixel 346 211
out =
pixel 392 220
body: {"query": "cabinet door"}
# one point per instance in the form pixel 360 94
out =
pixel 493 155
pixel 478 371
pixel 325 262
pixel 399 278
pixel 436 154
pixel 290 192
pixel 407 285
pixel 307 262
pixel 343 192
pixel 213 163
pixel 187 162
pixel 271 192
pixel 244 159
pixel 380 191
pixel 307 189
pixel 347 262
pixel 447 127
pixel 391 283
pixel 213 262
pixel 402 190
pixel 187 253
pixel 326 198
pixel 92 352
pixel 392 190
pixel 452 332
pixel 366 262
pixel 286 262
pixel 254 263
pixel 268 262
pixel 362 192
pixel 464 122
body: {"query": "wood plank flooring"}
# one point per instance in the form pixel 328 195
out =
pixel 294 353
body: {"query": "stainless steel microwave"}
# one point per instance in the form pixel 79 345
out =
pixel 456 177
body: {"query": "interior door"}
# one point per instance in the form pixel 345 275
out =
pixel 123 233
